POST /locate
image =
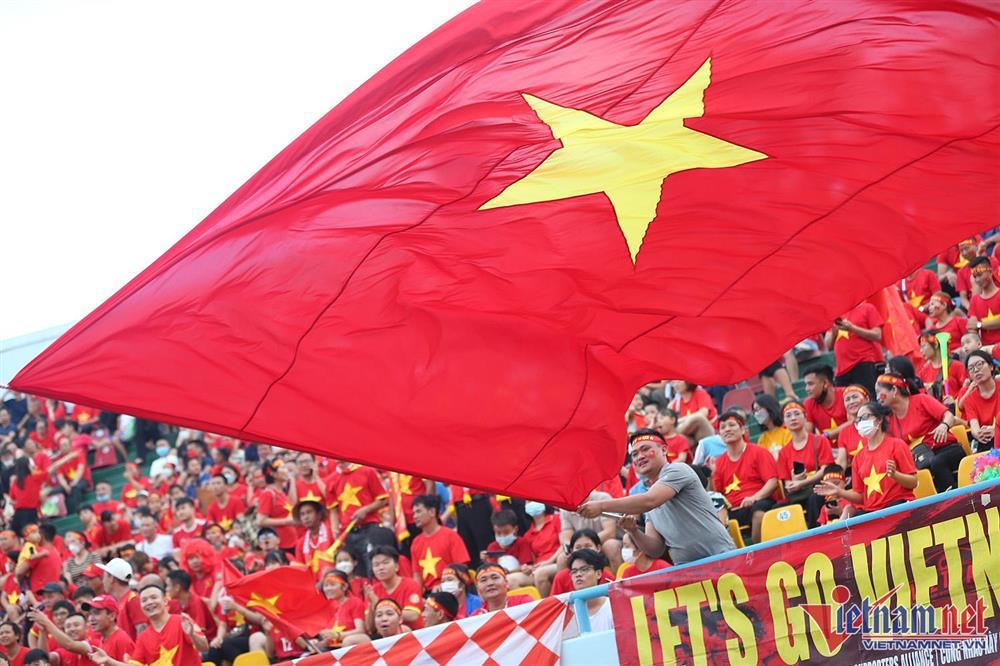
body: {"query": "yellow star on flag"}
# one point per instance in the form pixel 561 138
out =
pixel 916 299
pixel 733 486
pixel 349 496
pixel 265 603
pixel 628 163
pixel 166 657
pixel 225 523
pixel 873 482
pixel 428 565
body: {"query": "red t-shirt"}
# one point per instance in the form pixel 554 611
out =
pixel 520 549
pixel 117 645
pixel 274 503
pixel 104 455
pixel 130 614
pixel 130 493
pixel 850 440
pixel 986 309
pixel 354 488
pixel 921 287
pixel 850 349
pixel 48 442
pixel 928 374
pixel 44 569
pixel 676 445
pixel 923 415
pixel 869 479
pixel 817 449
pixel 182 534
pixel 544 541
pixel 562 582
pixel 107 505
pixel 28 496
pixel 984 410
pixel 170 645
pixel 198 611
pixel 351 609
pixel 120 531
pixel 406 594
pixel 956 326
pixel 512 600
pixel 824 418
pixel 284 647
pixel 630 570
pixel 745 476
pixel 225 515
pixel 963 277
pixel 431 554
pixel 310 489
pixel 67 658
pixel 699 399
pixel 18 659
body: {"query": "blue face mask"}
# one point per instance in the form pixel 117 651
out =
pixel 534 509
pixel 162 451
pixel 506 540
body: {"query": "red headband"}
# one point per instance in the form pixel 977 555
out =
pixel 855 388
pixel 490 567
pixel 981 268
pixel 891 380
pixel 793 405
pixel 439 608
pixel 389 602
pixel 647 438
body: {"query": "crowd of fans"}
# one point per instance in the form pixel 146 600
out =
pixel 393 553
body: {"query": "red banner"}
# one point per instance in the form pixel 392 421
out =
pixel 918 586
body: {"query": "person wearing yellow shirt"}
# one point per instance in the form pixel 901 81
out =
pixel 774 435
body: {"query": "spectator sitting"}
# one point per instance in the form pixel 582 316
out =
pixel 746 474
pixel 491 582
pixel 801 463
pixel 767 413
pixel 440 607
pixel 582 539
pixel 824 408
pixel 696 409
pixel 586 567
pixel 981 406
pixel 389 584
pixel 509 543
pixel 455 580
pixel 80 557
pixel 388 618
pixel 850 442
pixel 153 543
pixel 634 560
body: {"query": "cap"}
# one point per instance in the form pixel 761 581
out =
pixel 51 587
pixel 104 602
pixel 118 568
pixel 265 531
pixel 91 571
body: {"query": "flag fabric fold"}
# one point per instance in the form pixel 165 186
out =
pixel 494 241
pixel 285 595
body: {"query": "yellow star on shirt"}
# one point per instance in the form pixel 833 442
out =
pixel 225 523
pixel 166 657
pixel 873 482
pixel 628 163
pixel 733 486
pixel 990 316
pixel 429 564
pixel 338 628
pixel 842 334
pixel 857 449
pixel 265 603
pixel 916 299
pixel 349 496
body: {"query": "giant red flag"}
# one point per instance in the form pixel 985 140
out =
pixel 489 245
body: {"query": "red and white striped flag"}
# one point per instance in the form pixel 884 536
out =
pixel 528 634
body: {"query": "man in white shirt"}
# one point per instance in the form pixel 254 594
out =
pixel 154 544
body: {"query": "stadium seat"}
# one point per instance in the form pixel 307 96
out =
pixel 965 469
pixel 925 484
pixel 738 397
pixel 253 658
pixel 529 590
pixel 962 435
pixel 782 521
pixel 734 532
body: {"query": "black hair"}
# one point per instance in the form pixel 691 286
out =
pixel 646 431
pixel 903 367
pixel 17 628
pixel 431 502
pixel 84 507
pixel 504 517
pixel 35 654
pixel 181 501
pixel 78 614
pixel 833 468
pixel 107 516
pixel 65 605
pixel 448 601
pixel 219 475
pixel 22 470
pixel 879 411
pixel 584 532
pixel 979 353
pixel 823 370
pixel 388 551
pixel 906 389
pixel 736 414
pixel 591 557
pixel 979 261
pixel 83 591
pixel 180 578
pixel 48 531
pixel 275 557
pixel 668 411
pixel 770 405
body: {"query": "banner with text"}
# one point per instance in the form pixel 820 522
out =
pixel 920 586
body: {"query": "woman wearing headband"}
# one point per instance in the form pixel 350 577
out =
pixel 942 318
pixel 923 423
pixel 456 580
pixel 802 461
pixel 884 471
pixel 349 609
pixel 849 442
pixel 388 618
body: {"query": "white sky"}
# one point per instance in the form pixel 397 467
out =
pixel 125 122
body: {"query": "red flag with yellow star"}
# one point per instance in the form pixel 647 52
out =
pixel 285 595
pixel 538 208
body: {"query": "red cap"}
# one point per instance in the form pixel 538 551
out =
pixel 91 572
pixel 104 602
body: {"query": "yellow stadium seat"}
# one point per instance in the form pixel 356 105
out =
pixel 734 532
pixel 925 484
pixel 529 590
pixel 254 658
pixel 962 435
pixel 783 521
pixel 965 469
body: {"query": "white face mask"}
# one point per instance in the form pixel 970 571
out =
pixel 628 554
pixel 450 586
pixel 505 540
pixel 74 548
pixel 865 427
pixel 534 509
pixel 761 415
pixel 345 567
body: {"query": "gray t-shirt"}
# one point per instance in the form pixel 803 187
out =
pixel 688 522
